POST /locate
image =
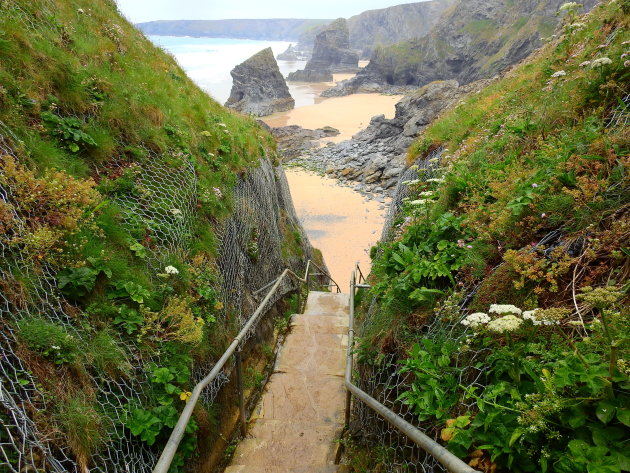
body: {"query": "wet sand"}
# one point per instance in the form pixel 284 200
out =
pixel 342 223
pixel 349 114
pixel 339 221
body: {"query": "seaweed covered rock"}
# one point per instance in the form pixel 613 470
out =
pixel 331 53
pixel 258 87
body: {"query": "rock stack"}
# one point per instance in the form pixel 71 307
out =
pixel 331 53
pixel 258 86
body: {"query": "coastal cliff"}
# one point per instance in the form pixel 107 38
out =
pixel 280 29
pixel 331 53
pixel 394 24
pixel 474 39
pixel 258 86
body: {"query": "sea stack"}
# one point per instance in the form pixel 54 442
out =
pixel 331 53
pixel 258 87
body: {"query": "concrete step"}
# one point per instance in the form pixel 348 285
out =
pixel 272 469
pixel 301 413
pixel 327 303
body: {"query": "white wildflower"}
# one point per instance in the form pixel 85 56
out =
pixel 80 11
pixel 475 320
pixel 627 63
pixel 602 61
pixel 434 160
pixel 55 347
pixel 585 63
pixel 559 74
pixel 427 194
pixel 570 6
pixel 217 192
pixel 437 180
pixel 505 309
pixel 508 323
pixel 418 202
pixel 222 125
pixel 412 182
pixel 171 270
pixel 578 26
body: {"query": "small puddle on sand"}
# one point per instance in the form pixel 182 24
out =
pixel 339 221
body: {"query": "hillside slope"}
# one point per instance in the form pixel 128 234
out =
pixel 280 29
pixel 137 218
pixel 498 314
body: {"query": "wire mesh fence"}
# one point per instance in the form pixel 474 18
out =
pixel 383 378
pixel 250 252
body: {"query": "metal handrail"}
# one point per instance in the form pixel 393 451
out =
pixel 437 451
pixel 165 460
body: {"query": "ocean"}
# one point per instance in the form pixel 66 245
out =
pixel 208 61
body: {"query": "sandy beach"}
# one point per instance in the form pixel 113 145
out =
pixel 349 114
pixel 339 221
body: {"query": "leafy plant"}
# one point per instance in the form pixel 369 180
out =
pixel 69 130
pixel 130 319
pixel 434 390
pixel 128 289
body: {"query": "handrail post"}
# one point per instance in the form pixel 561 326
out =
pixel 241 392
pixel 349 355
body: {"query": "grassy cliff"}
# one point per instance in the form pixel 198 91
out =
pixel 504 292
pixel 117 199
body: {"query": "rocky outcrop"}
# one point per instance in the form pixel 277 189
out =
pixel 258 86
pixel 374 157
pixel 474 39
pixel 294 141
pixel 331 53
pixel 294 53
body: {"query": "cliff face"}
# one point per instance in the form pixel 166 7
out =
pixel 391 25
pixel 258 86
pixel 281 29
pixel 331 53
pixel 474 39
pixel 137 219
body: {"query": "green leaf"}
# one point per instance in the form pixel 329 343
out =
pixel 605 411
pixel 442 244
pixel 515 436
pixel 603 465
pixel 624 416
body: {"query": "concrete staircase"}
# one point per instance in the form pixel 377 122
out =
pixel 301 413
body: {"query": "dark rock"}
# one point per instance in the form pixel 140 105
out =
pixel 258 86
pixel 331 53
pixel 294 141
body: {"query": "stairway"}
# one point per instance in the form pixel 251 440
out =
pixel 300 415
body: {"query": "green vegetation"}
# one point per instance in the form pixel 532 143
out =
pixel 513 263
pixel 115 172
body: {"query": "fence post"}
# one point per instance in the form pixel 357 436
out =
pixel 241 392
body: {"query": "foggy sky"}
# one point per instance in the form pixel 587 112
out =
pixel 148 10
